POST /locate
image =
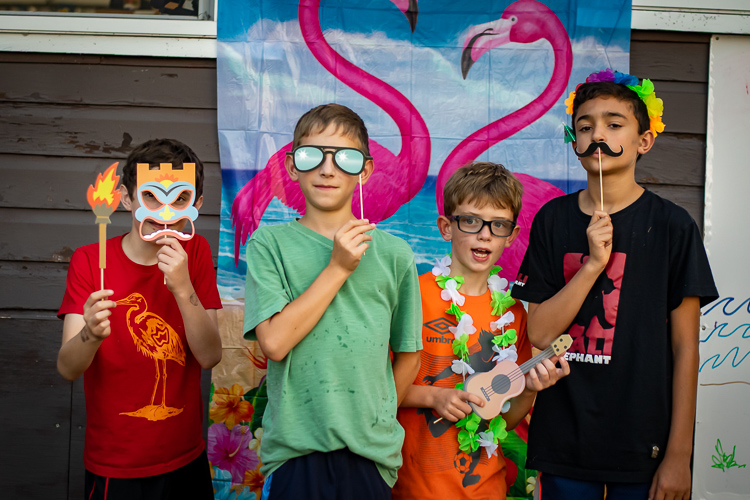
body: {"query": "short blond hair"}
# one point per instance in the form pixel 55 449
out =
pixel 483 183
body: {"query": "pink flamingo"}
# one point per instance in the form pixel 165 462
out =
pixel 397 178
pixel 524 21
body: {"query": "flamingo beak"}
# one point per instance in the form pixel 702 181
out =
pixel 411 14
pixel 410 10
pixel 481 38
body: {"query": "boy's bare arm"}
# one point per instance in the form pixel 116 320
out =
pixel 405 369
pixel 672 478
pixel 83 334
pixel 548 320
pixel 281 332
pixel 201 325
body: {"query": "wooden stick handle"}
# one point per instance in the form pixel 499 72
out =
pixel 601 184
pixel 102 246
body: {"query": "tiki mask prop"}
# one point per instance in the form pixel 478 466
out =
pixel 166 197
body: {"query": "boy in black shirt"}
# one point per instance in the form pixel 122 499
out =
pixel 624 272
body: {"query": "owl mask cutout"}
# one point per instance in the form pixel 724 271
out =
pixel 166 197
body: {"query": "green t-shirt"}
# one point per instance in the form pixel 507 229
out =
pixel 334 389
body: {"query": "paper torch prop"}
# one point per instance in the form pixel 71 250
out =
pixel 104 197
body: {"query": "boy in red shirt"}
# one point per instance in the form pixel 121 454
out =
pixel 142 341
pixel 464 301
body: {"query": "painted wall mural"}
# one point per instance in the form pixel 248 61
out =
pixel 438 84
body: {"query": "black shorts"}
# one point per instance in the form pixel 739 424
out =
pixel 336 475
pixel 191 481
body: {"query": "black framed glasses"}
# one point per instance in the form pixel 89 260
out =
pixel 349 160
pixel 472 224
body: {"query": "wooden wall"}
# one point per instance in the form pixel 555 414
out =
pixel 63 119
pixel 69 114
pixel 677 63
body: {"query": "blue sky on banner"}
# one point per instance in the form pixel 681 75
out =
pixel 267 77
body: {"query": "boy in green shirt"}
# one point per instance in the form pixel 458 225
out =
pixel 325 314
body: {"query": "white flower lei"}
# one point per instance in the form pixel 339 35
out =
pixel 503 346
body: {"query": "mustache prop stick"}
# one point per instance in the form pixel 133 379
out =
pixel 104 197
pixel 604 147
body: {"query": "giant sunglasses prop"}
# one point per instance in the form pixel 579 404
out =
pixel 166 196
pixel 349 160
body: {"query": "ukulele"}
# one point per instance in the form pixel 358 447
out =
pixel 507 379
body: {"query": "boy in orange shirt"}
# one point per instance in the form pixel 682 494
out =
pixel 469 323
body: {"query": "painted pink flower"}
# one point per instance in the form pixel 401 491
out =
pixel 228 450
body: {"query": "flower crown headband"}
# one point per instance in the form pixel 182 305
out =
pixel 645 91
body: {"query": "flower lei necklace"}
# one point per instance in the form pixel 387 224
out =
pixel 468 439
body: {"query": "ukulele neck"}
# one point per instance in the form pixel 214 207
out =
pixel 545 354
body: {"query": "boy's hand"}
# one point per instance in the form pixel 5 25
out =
pixel 96 313
pixel 349 244
pixel 599 234
pixel 451 404
pixel 672 480
pixel 173 262
pixel 545 374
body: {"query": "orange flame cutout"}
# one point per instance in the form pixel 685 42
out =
pixel 105 191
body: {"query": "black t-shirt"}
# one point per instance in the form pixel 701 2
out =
pixel 612 413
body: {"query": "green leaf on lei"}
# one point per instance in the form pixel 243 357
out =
pixel 460 386
pixel 497 426
pixel 473 423
pixel 455 311
pixel 470 421
pixel 466 436
pixel 508 338
pixel 466 441
pixel 500 302
pixel 441 280
pixel 495 270
pixel 460 348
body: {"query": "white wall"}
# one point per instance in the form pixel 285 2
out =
pixel 723 413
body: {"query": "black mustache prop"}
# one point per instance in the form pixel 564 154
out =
pixel 598 145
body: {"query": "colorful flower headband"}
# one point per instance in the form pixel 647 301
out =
pixel 645 91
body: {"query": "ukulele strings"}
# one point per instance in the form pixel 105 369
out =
pixel 526 367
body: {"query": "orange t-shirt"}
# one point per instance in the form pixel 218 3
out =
pixel 433 466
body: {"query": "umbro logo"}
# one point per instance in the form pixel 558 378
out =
pixel 439 325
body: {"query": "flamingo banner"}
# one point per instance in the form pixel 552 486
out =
pixel 439 84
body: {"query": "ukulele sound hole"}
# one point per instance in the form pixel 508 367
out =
pixel 500 384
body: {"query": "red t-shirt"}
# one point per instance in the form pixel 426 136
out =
pixel 434 467
pixel 135 426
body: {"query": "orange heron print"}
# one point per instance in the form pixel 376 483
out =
pixel 155 339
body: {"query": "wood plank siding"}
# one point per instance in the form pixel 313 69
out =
pixel 64 118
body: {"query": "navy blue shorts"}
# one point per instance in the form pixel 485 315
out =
pixel 551 487
pixel 189 481
pixel 338 474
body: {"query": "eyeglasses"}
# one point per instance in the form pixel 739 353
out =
pixel 348 160
pixel 473 225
